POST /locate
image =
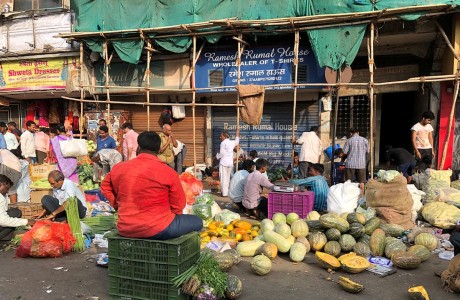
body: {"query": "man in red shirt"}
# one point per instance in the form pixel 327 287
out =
pixel 148 195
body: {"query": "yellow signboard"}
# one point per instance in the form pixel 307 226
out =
pixel 39 74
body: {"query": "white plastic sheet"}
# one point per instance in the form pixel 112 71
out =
pixel 343 197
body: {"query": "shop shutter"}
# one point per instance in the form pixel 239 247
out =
pixel 272 138
pixel 182 129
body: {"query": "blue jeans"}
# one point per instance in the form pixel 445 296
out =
pixel 33 160
pixel 406 169
pixel 182 224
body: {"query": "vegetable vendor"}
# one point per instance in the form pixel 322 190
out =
pixel 63 188
pixel 104 160
pixel 104 140
pixel 9 218
pixel 148 195
pixel 317 184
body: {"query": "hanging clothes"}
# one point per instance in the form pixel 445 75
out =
pixel 53 114
pixel 43 120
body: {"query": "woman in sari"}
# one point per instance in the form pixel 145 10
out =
pixel 67 165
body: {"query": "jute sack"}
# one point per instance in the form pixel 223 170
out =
pixel 391 216
pixel 394 194
pixel 252 96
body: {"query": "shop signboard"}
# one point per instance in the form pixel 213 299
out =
pixel 37 74
pixel 217 69
pixel 272 139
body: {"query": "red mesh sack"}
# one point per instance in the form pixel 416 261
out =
pixel 192 187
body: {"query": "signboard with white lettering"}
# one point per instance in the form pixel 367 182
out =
pixel 218 70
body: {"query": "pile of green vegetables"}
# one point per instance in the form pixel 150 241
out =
pixel 207 278
pixel 100 224
pixel 277 174
pixel 73 218
pixel 85 177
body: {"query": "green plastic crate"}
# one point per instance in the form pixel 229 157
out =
pixel 143 269
pixel 131 289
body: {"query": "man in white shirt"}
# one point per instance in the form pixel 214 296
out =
pixel 237 183
pixel 28 143
pixel 422 141
pixel 63 188
pixel 10 139
pixel 225 156
pixel 9 218
pixel 310 152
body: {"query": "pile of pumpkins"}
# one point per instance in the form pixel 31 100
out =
pixel 232 233
pixel 329 235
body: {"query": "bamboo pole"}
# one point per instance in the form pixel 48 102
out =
pixel 334 128
pixel 296 69
pixel 81 88
pixel 106 69
pixel 147 82
pixel 238 82
pixel 454 100
pixel 194 105
pixel 370 45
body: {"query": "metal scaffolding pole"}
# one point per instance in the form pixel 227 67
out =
pixel 370 47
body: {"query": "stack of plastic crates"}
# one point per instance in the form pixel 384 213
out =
pixel 299 202
pixel 339 170
pixel 143 269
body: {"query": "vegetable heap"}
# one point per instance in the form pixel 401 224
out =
pixel 85 177
pixel 73 219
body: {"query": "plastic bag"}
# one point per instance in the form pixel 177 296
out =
pixel 73 147
pixel 192 187
pixel 343 197
pixel 203 211
pixel 417 198
pixel 226 216
pixel 204 199
pixel 436 179
pixel 369 213
pixel 215 209
pixel 449 195
pixel 46 239
pixel 387 176
pixel 441 214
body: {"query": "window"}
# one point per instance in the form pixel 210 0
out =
pixel 20 5
pixel 353 112
pixel 302 74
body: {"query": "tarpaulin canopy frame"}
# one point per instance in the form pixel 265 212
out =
pixel 230 27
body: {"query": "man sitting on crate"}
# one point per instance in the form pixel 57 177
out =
pixel 318 185
pixel 63 188
pixel 253 201
pixel 148 195
pixel 9 218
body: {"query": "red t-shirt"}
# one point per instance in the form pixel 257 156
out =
pixel 147 194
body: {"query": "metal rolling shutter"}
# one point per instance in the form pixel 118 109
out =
pixel 182 129
pixel 272 138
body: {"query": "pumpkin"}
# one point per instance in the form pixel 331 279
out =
pixel 393 230
pixel 305 242
pixel 234 287
pixel 344 215
pixel 365 239
pixel 291 240
pixel 356 218
pixel 313 216
pixel 372 225
pixel 261 265
pixel 225 261
pixel 394 247
pixel 350 286
pixel 267 224
pixel 418 293
pixel 299 228
pixel 333 248
pixel 420 251
pixel 346 256
pixel 249 248
pixel 377 242
pixel 347 242
pixel 405 260
pixel 236 256
pixel 246 237
pixel 292 217
pixel 332 221
pixel 356 230
pixel 355 264
pixel 333 234
pixel 279 218
pixel 268 249
pixel 390 239
pixel 317 240
pixel 428 240
pixel 281 243
pixel 327 261
pixel 243 225
pixel 297 252
pixel 283 229
pixel 314 226
pixel 362 249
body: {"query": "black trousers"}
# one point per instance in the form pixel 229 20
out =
pixel 6 233
pixel 455 241
pixel 303 169
pixel 425 160
pixel 51 204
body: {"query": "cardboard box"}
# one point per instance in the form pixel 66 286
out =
pixel 37 195
pixel 37 171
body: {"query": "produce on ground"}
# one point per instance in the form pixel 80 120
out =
pixel 41 184
pixel 418 293
pixel 234 287
pixel 350 286
pixel 73 219
pixel 261 265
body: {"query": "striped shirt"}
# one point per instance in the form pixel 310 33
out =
pixel 110 157
pixel 356 149
pixel 318 186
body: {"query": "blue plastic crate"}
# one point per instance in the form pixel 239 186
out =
pixel 98 194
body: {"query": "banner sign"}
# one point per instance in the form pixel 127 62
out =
pixel 261 66
pixel 39 74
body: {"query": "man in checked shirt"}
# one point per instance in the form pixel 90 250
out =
pixel 356 150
